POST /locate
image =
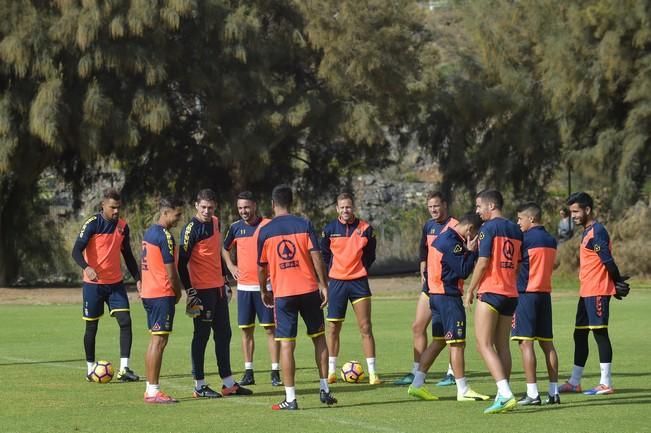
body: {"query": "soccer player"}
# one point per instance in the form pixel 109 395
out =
pixel 437 206
pixel 348 248
pixel 161 291
pixel 243 235
pixel 454 255
pixel 288 251
pixel 533 315
pixel 599 280
pixel 102 239
pixel 494 280
pixel 200 269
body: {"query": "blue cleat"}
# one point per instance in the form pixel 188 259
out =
pixel 501 405
pixel 448 380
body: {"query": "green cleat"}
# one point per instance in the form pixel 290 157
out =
pixel 421 393
pixel 448 380
pixel 501 405
pixel 471 395
pixel 407 379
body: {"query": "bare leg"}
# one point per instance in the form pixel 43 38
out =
pixel 528 360
pixel 333 330
pixel 363 313
pixel 154 357
pixel 287 359
pixel 272 345
pixel 248 343
pixel 419 327
pixel 320 356
pixel 551 359
pixel 486 321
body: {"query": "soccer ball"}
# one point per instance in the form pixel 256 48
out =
pixel 101 372
pixel 352 372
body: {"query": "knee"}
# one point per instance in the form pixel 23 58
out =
pixel 366 329
pixel 91 326
pixel 123 318
pixel 417 327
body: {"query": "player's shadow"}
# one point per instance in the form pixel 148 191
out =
pixel 590 401
pixel 31 362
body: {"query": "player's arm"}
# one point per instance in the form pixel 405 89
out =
pixel 422 249
pixel 324 243
pixel 129 259
pixel 229 242
pixel 318 264
pixel 485 249
pixel 174 279
pixel 601 245
pixel 166 245
pixel 185 252
pixel 368 253
pixel 263 273
pixel 86 232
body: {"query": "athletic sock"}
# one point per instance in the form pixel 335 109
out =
pixel 323 385
pixel 577 372
pixel 89 366
pixel 152 389
pixel 419 379
pixel 503 388
pixel 228 381
pixel 606 378
pixel 248 365
pixel 370 362
pixel 290 393
pixel 275 366
pixel 553 388
pixel 124 363
pixel 462 385
pixel 450 371
pixel 532 390
pixel 415 368
pixel 199 383
pixel 332 364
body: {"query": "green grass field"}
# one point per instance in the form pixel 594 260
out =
pixel 42 386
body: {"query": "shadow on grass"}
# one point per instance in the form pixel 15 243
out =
pixel 591 401
pixel 49 361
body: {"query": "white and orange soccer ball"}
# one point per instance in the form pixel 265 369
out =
pixel 352 372
pixel 102 372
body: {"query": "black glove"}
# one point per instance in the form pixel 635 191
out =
pixel 622 288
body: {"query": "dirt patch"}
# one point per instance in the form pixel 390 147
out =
pixel 398 286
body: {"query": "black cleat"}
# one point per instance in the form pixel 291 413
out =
pixel 528 401
pixel 127 375
pixel 275 378
pixel 248 378
pixel 327 398
pixel 205 392
pixel 285 405
pixel 553 399
pixel 235 390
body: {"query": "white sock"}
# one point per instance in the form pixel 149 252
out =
pixel 553 388
pixel 606 378
pixel 228 381
pixel 275 366
pixel 532 390
pixel 124 363
pixel 370 362
pixel 152 389
pixel 419 379
pixel 323 384
pixel 199 383
pixel 332 364
pixel 415 368
pixel 290 393
pixel 89 366
pixel 450 371
pixel 577 372
pixel 503 388
pixel 248 365
pixel 462 385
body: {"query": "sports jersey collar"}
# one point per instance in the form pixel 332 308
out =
pixel 456 233
pixel 101 215
pixel 255 223
pixel 444 222
pixel 198 221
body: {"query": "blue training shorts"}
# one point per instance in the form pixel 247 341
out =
pixel 249 304
pixel 160 314
pixel 592 312
pixel 448 318
pixel 287 308
pixel 533 317
pixel 96 295
pixel 502 305
pixel 342 291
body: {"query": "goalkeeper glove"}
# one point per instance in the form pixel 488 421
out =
pixel 622 288
pixel 193 305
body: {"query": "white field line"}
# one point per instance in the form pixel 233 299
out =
pixel 28 361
